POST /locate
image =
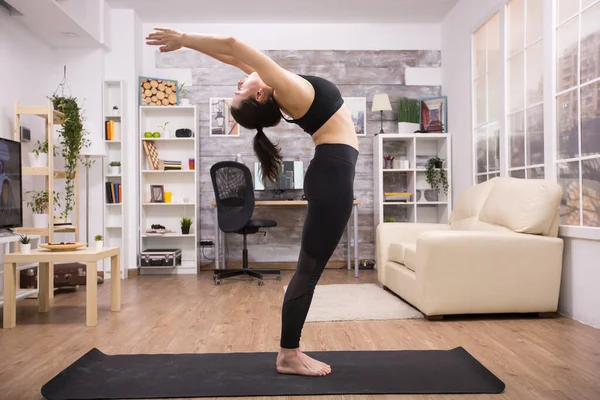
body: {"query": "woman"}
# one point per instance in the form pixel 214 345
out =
pixel 315 105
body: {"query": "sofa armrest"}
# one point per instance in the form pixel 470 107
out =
pixel 389 232
pixel 471 267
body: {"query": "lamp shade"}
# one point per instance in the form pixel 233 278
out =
pixel 381 102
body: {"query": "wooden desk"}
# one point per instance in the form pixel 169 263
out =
pixel 89 256
pixel 289 203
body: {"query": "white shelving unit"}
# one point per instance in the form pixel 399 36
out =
pixel 182 184
pixel 424 204
pixel 113 121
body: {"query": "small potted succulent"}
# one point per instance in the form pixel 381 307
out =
pixel 115 167
pixel 25 244
pixel 185 225
pixel 115 111
pixel 99 242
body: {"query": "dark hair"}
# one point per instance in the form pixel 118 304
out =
pixel 252 114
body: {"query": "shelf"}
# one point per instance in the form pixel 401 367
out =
pixel 175 139
pixel 114 227
pixel 58 118
pixel 113 204
pixel 43 171
pixel 27 266
pixel 168 204
pixel 170 171
pixel 112 141
pixel 168 235
pixel 22 294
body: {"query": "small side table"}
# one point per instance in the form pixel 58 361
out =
pixel 87 255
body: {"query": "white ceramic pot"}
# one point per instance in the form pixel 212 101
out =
pixel 40 160
pixel 99 244
pixel 407 127
pixel 115 170
pixel 25 248
pixel 40 220
pixel 184 102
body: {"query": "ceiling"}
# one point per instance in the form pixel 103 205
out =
pixel 290 11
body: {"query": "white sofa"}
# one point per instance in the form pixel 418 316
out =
pixel 499 253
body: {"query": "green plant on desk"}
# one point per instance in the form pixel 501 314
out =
pixel 98 238
pixel 24 239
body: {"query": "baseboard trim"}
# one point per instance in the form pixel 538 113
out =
pixel 286 265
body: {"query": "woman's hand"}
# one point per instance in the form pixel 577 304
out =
pixel 167 39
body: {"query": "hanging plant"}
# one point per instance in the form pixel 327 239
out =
pixel 72 139
pixel 436 174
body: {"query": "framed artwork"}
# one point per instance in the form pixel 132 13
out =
pixel 157 194
pixel 358 109
pixel 158 91
pixel 222 123
pixel 433 114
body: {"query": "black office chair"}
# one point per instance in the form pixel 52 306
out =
pixel 234 195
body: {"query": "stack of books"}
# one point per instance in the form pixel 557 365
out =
pixel 170 165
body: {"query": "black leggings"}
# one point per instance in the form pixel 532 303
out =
pixel 329 189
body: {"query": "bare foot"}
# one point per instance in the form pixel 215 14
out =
pixel 297 363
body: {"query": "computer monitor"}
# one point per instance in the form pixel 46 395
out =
pixel 291 177
pixel 11 202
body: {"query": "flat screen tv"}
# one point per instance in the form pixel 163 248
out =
pixel 11 202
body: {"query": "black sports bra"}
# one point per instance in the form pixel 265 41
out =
pixel 327 101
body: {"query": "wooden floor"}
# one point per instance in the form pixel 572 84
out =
pixel 544 359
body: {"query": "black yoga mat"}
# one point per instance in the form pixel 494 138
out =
pixel 99 376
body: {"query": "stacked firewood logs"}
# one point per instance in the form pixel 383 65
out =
pixel 158 92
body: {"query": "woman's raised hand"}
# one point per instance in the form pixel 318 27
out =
pixel 167 39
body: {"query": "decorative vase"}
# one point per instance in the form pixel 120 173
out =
pixel 115 170
pixel 431 195
pixel 40 221
pixel 408 127
pixel 185 230
pixel 36 160
pixel 25 248
pixel 99 244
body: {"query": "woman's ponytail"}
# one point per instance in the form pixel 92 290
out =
pixel 269 156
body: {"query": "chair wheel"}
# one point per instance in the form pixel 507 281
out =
pixel 217 282
pixel 260 282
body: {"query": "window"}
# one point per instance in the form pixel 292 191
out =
pixel 525 89
pixel 487 98
pixel 578 110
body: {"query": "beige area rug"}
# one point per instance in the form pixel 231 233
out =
pixel 357 302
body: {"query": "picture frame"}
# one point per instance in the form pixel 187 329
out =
pixel 157 194
pixel 158 92
pixel 433 114
pixel 221 122
pixel 358 111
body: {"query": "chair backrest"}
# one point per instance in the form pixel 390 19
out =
pixel 234 194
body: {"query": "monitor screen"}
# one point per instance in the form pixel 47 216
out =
pixel 291 177
pixel 11 203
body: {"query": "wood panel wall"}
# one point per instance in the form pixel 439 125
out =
pixel 358 74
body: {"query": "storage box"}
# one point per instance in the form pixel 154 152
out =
pixel 160 258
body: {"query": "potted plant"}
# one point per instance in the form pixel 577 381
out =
pixel 38 157
pixel 165 132
pixel 99 239
pixel 25 244
pixel 115 167
pixel 185 225
pixel 389 219
pixel 184 101
pixel 39 206
pixel 436 177
pixel 408 115
pixel 73 140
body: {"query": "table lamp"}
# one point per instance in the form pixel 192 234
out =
pixel 381 103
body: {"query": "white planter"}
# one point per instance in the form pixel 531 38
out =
pixel 40 220
pixel 407 127
pixel 184 102
pixel 40 160
pixel 25 248
pixel 115 170
pixel 99 245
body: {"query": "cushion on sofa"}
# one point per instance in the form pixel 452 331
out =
pixel 410 258
pixel 474 224
pixel 471 200
pixel 397 251
pixel 523 205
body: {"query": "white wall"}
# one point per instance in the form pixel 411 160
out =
pixel 305 37
pixel 580 290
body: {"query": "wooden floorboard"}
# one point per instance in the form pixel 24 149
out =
pixel 545 359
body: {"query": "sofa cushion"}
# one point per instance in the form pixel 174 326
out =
pixel 523 205
pixel 474 224
pixel 471 200
pixel 410 257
